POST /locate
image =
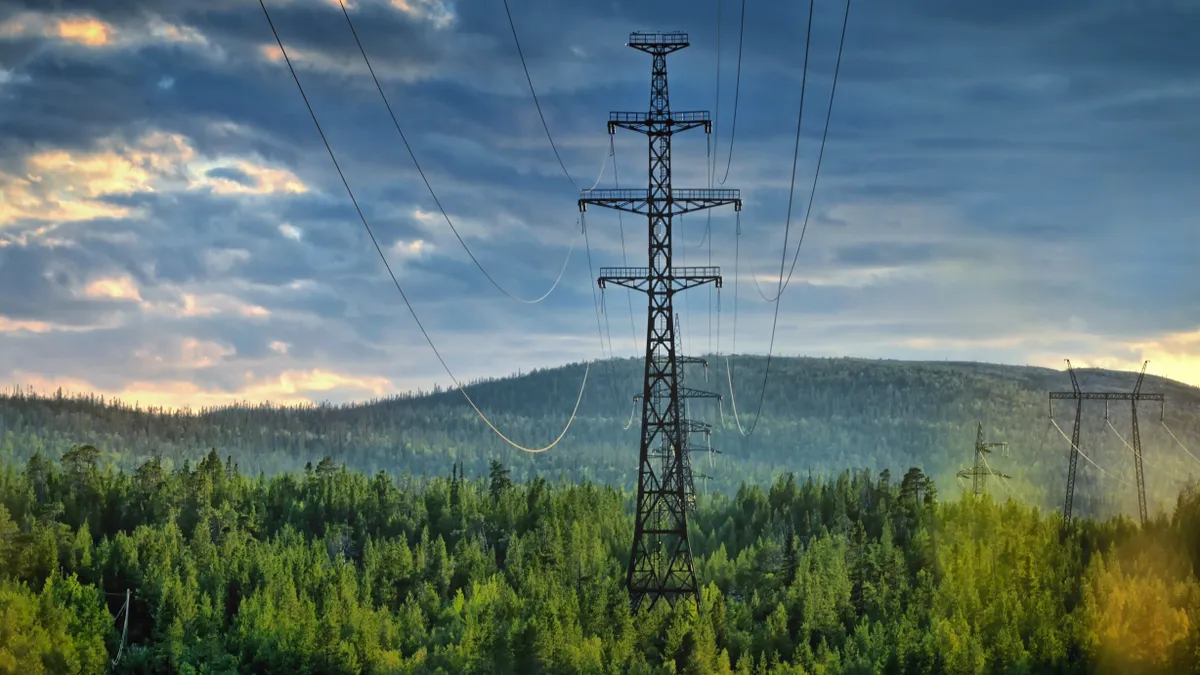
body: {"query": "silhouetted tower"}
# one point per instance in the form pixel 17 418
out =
pixel 660 564
pixel 979 472
pixel 1079 397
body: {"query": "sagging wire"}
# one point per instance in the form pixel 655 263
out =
pixel 997 477
pixel 379 249
pixel 621 226
pixel 1084 455
pixel 601 307
pixel 733 347
pixel 412 155
pixel 737 88
pixel 124 630
pixel 1127 445
pixel 533 93
pixel 632 413
pixel 820 155
pixel 1179 442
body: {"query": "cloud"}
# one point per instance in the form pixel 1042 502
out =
pixel 986 191
pixel 64 186
pixel 91 32
pixel 437 12
pixel 1175 355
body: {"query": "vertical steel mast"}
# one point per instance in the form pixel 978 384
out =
pixel 660 564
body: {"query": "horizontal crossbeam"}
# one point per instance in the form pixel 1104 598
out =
pixel 639 279
pixel 685 392
pixel 971 473
pixel 1105 396
pixel 660 125
pixel 681 200
pixel 676 39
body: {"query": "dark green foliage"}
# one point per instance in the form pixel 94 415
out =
pixel 820 416
pixel 335 571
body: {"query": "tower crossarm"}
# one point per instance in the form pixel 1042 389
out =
pixel 687 392
pixel 679 201
pixel 1105 396
pixel 640 279
pixel 987 447
pixel 695 426
pixel 652 125
pixel 973 472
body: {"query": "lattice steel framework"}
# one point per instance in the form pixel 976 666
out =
pixel 979 472
pixel 1079 397
pixel 691 426
pixel 660 563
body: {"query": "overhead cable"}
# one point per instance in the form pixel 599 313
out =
pixel 712 169
pixel 997 476
pixel 1126 443
pixel 533 93
pixel 787 229
pixel 737 88
pixel 621 226
pixel 425 179
pixel 379 249
pixel 1179 442
pixel 1084 455
pixel 816 174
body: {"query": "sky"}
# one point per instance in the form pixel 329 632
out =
pixel 1010 185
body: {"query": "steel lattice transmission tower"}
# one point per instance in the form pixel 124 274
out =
pixel 979 472
pixel 1079 397
pixel 660 564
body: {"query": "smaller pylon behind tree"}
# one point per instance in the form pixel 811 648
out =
pixel 979 472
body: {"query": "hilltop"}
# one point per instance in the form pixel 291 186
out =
pixel 820 416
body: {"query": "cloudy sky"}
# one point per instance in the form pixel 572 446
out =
pixel 1010 182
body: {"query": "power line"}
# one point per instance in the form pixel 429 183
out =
pixel 820 155
pixel 421 171
pixel 787 229
pixel 370 233
pixel 1179 442
pixel 1125 442
pixel 737 88
pixel 621 226
pixel 532 92
pixel 712 170
pixel 1081 454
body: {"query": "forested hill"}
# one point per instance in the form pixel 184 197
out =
pixel 819 416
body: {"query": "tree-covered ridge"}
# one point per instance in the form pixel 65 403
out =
pixel 819 416
pixel 334 571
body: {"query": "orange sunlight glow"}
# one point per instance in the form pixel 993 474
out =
pixel 287 387
pixel 84 30
pixel 63 186
pixel 113 288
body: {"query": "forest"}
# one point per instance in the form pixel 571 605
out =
pixel 819 417
pixel 331 570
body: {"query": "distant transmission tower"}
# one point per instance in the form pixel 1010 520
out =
pixel 691 426
pixel 660 564
pixel 1079 397
pixel 979 472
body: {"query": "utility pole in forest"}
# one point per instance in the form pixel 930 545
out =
pixel 660 563
pixel 1079 397
pixel 979 472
